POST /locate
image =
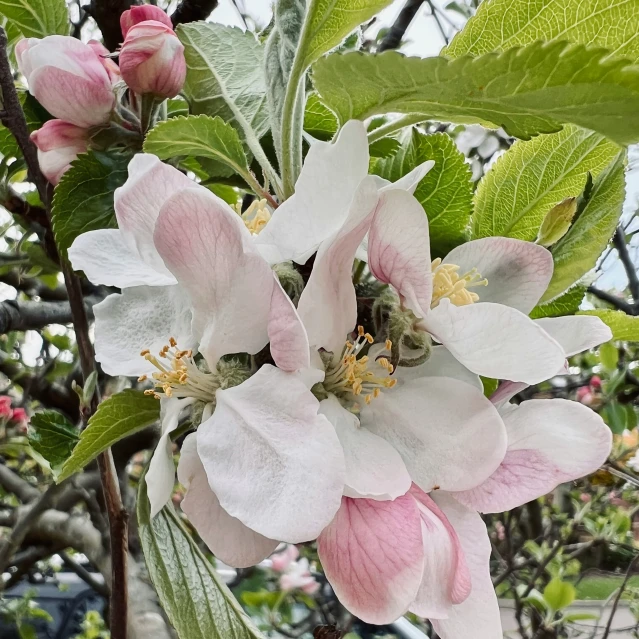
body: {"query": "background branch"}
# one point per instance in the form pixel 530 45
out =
pixel 25 316
pixel 619 241
pixel 106 14
pixel 393 38
pixel 192 11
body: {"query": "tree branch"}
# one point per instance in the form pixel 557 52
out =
pixel 192 11
pixel 393 38
pixel 619 241
pixel 613 300
pixel 107 14
pixel 26 316
pixel 118 517
pixel 615 604
pixel 14 484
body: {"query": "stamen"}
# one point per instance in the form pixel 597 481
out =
pixel 179 376
pixel 448 283
pixel 256 216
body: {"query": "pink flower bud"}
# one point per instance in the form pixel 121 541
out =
pixel 143 13
pixel 20 416
pixel 5 407
pixel 103 54
pixel 58 145
pixel 595 382
pixel 152 59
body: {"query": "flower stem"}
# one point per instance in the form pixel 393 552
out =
pixel 395 125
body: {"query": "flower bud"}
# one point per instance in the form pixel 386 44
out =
pixel 5 407
pixel 143 13
pixel 58 145
pixel 68 78
pixel 152 58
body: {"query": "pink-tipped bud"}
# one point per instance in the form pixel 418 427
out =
pixel 5 407
pixel 68 78
pixel 152 60
pixel 20 416
pixel 143 13
pixel 595 382
pixel 58 145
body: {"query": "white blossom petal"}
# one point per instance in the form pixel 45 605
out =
pixel 576 333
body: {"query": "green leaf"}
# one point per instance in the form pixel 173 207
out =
pixel 530 90
pixel 83 200
pixel 615 416
pixel 37 18
pixel 52 436
pixel 490 385
pixel 503 24
pixel 624 327
pixel 117 417
pixel 199 136
pixel 279 54
pixel 559 594
pixel 529 179
pixel 445 192
pixel 225 75
pixel 319 120
pixel 609 356
pixel 580 616
pixel 557 222
pixel 577 252
pixel 328 22
pixel 197 602
pixel 384 148
pixel 566 304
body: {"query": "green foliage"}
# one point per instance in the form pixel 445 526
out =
pixel 557 222
pixel 566 304
pixel 531 177
pixel 199 136
pixel 225 75
pixel 319 120
pixel 328 22
pixel 577 252
pixel 559 594
pixel 117 417
pixel 503 24
pixel 196 601
pixel 445 192
pixel 83 200
pixel 37 18
pixel 279 55
pixel 609 356
pixel 529 90
pixel 53 437
pixel 624 327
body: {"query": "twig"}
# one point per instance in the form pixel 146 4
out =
pixel 84 574
pixel 613 300
pixel 619 241
pixel 435 14
pixel 192 10
pixel 14 484
pixel 25 316
pixel 618 597
pixel 393 38
pixel 118 517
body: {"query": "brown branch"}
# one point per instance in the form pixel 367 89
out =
pixel 106 14
pixel 192 11
pixel 26 316
pixel 618 597
pixel 118 517
pixel 14 484
pixel 613 300
pixel 393 38
pixel 619 241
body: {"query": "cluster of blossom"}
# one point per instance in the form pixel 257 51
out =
pixel 17 416
pixel 295 573
pixel 590 394
pixel 382 447
pixel 77 82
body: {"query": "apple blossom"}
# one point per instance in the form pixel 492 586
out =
pixel 68 78
pixel 152 57
pixel 59 143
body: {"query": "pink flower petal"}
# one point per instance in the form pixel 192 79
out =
pixel 372 555
pixel 550 441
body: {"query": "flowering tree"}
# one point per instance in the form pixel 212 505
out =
pixel 290 269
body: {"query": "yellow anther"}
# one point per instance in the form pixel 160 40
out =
pixel 256 216
pixel 145 352
pixel 369 338
pixel 143 378
pixel 388 345
pixel 368 399
pixel 360 331
pixel 448 283
pixel 377 392
pixel 172 342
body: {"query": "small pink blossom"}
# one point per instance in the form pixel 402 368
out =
pixel 5 407
pixel 584 395
pixel 152 58
pixel 21 419
pixel 68 78
pixel 59 143
pixel 595 382
pixel 282 560
pixel 298 576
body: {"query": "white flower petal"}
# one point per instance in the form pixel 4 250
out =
pixel 272 460
pixel 106 259
pixel 518 272
pixel 323 195
pixel 399 249
pixel 228 538
pixel 327 306
pixel 410 181
pixel 448 434
pixel 374 469
pixel 211 253
pixel 550 441
pixel 576 333
pixel 478 616
pixel 141 317
pixel 496 341
pixel 160 477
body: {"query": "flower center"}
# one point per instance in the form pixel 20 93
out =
pixel 351 375
pixel 179 375
pixel 256 216
pixel 448 283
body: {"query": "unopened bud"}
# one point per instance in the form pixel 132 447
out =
pixel 290 279
pixel 557 222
